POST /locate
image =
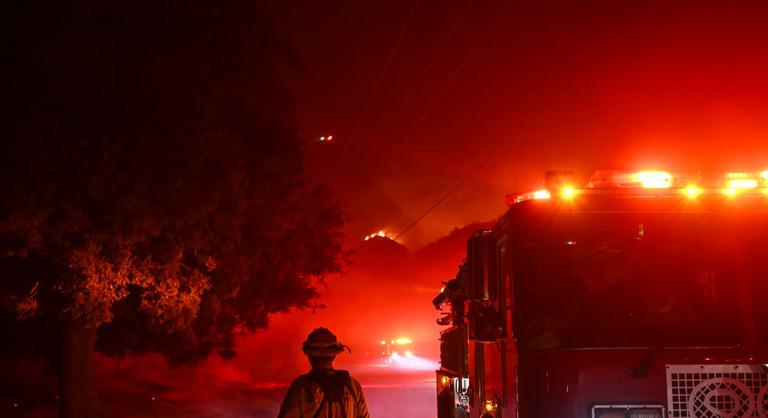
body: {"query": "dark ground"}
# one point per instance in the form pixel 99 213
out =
pixel 390 394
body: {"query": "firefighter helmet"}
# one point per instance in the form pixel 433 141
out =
pixel 321 342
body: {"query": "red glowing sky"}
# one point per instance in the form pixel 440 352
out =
pixel 582 85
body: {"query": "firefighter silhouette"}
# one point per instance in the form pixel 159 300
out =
pixel 324 392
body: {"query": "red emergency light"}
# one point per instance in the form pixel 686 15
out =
pixel 564 186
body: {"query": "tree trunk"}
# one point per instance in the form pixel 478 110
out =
pixel 77 390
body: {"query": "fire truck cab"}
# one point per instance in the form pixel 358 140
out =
pixel 627 294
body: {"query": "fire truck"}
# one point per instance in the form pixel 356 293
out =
pixel 617 295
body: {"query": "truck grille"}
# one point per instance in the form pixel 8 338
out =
pixel 717 391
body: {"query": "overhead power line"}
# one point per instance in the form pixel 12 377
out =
pixel 398 147
pixel 432 61
pixel 384 70
pixel 488 159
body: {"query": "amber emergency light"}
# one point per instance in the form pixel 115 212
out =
pixel 565 186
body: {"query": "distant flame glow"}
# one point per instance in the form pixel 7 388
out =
pixel 380 233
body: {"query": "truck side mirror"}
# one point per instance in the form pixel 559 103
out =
pixel 481 257
pixel 486 314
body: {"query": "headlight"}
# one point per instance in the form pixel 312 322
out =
pixel 628 411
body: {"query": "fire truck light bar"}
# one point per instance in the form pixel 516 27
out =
pixel 742 180
pixel 653 179
pixel 562 185
pixel 522 197
pixel 743 184
pixel 632 179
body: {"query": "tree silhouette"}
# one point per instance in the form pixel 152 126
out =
pixel 153 195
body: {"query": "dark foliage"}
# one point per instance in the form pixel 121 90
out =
pixel 152 179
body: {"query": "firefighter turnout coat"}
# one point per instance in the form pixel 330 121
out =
pixel 324 394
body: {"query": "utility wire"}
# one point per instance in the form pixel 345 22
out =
pixel 384 70
pixel 398 147
pixel 432 62
pixel 488 159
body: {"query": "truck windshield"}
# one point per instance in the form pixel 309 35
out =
pixel 633 280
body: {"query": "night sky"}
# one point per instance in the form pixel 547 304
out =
pixel 419 93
